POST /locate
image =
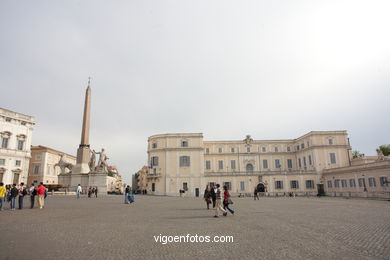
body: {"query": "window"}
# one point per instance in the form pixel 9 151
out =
pixel 153 186
pixel 329 184
pixel 289 163
pixel 249 167
pixel 309 184
pixel 232 150
pixel 279 185
pixel 277 163
pixel 36 169
pixel 208 166
pixel 242 185
pixel 344 183
pixel 154 171
pixel 352 183
pixel 302 146
pixel 185 186
pixel 7 119
pixel 330 141
pixel 383 181
pixel 4 143
pixel 154 145
pixel 184 143
pixel 20 145
pixel 294 184
pixel 336 183
pixel 228 185
pixel 371 182
pixel 310 162
pixel 233 164
pixel 184 161
pixel 288 149
pixel 265 164
pixel 299 163
pixel 298 147
pixel 220 164
pixel 332 158
pixel 207 150
pixel 248 149
pixel 276 149
pixel 220 150
pixel 362 182
pixel 304 161
pixel 18 163
pixel 154 161
pixel 2 161
pixel 263 149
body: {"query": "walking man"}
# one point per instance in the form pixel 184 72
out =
pixel 13 194
pixel 218 203
pixel 33 193
pixel 255 196
pixel 96 191
pixel 41 190
pixel 79 190
pixel 213 195
pixel 2 195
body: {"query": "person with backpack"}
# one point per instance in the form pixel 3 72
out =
pixel 3 191
pixel 130 196
pixel 13 193
pixel 33 193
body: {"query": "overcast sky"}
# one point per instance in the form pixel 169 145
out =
pixel 272 69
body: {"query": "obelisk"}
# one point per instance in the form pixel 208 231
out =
pixel 83 152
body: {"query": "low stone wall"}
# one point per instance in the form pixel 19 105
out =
pixel 374 195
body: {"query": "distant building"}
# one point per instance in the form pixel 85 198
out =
pixel 43 164
pixel 16 133
pixel 114 180
pixel 275 167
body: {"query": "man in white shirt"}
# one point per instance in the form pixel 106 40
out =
pixel 79 190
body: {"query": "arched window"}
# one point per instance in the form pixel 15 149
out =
pixel 249 167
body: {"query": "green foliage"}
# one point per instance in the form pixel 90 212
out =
pixel 356 154
pixel 385 149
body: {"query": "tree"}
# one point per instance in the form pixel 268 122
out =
pixel 357 154
pixel 385 149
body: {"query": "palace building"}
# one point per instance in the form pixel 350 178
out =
pixel 15 153
pixel 186 161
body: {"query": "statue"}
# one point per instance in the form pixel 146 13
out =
pixel 248 140
pixel 380 154
pixel 92 161
pixel 102 160
pixel 63 164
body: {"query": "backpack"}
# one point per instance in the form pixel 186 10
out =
pixel 24 192
pixel 34 192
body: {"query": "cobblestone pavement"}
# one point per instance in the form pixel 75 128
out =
pixel 271 228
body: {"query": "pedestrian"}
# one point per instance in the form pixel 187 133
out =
pixel 126 196
pixel 22 192
pixel 255 194
pixel 227 200
pixel 218 202
pixel 12 196
pixel 41 191
pixel 130 196
pixel 207 196
pixel 89 192
pixel 3 192
pixel 78 191
pixel 33 193
pixel 213 195
pixel 96 192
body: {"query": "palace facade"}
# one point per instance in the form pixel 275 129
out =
pixel 15 153
pixel 276 167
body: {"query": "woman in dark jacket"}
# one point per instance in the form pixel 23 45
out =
pixel 226 200
pixel 207 196
pixel 213 195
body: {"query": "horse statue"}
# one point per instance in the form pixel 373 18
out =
pixel 63 164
